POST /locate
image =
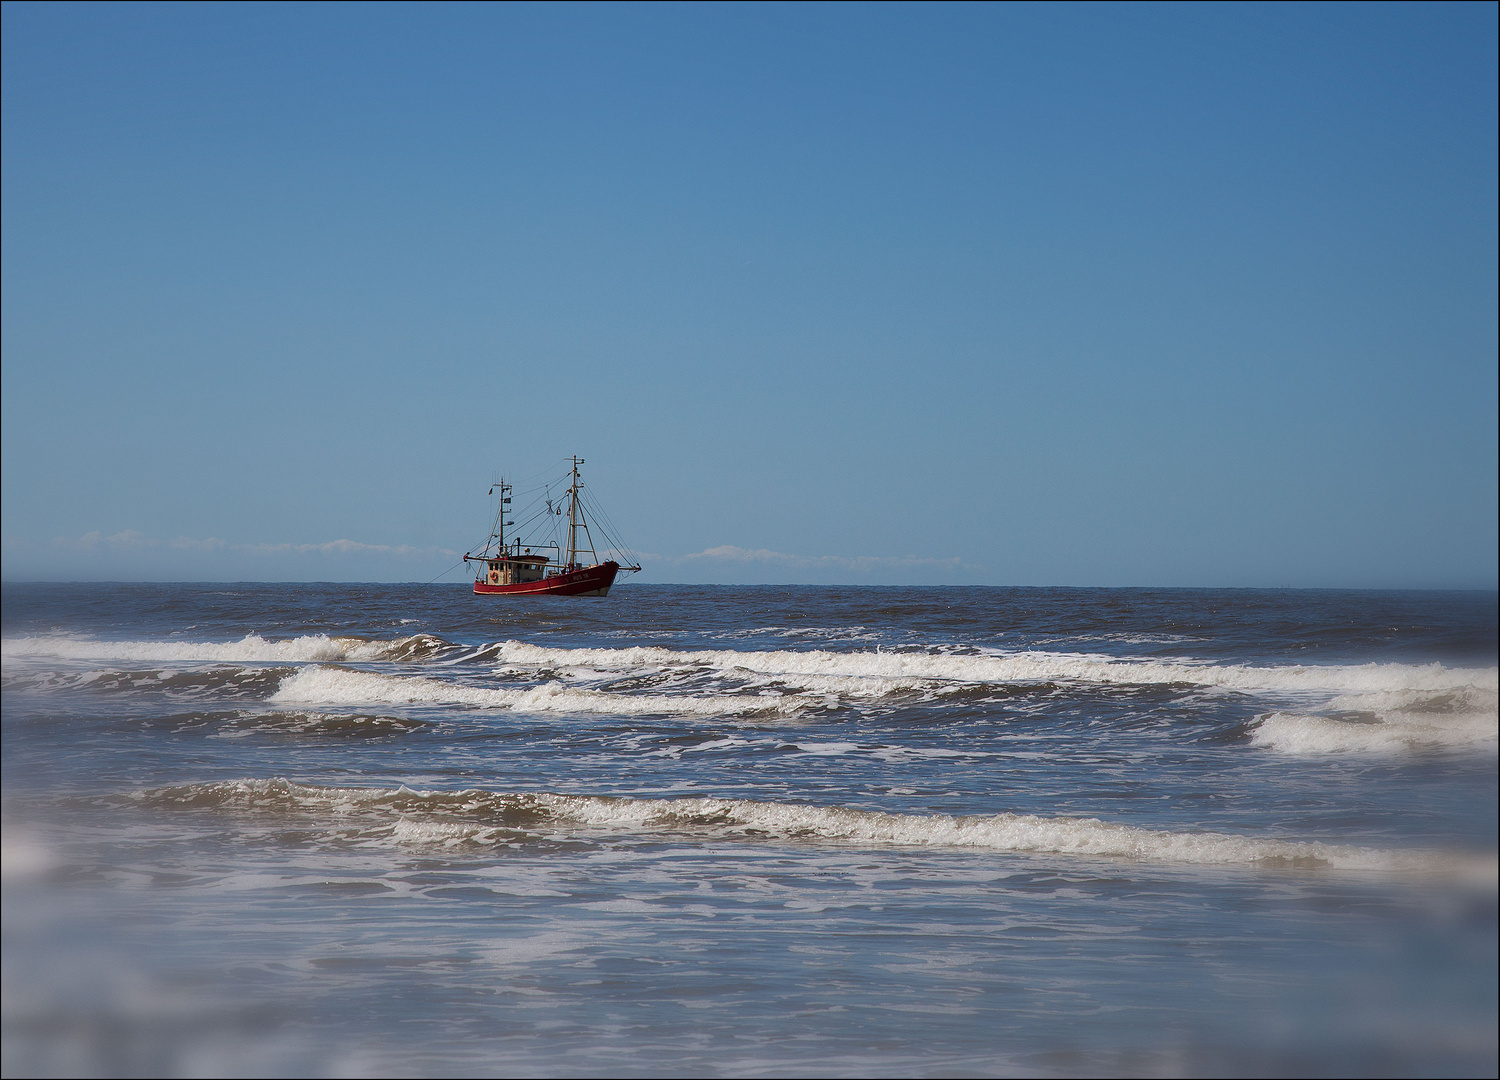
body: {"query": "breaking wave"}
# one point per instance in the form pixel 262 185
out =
pixel 405 815
pixel 332 685
pixel 1387 722
pixel 847 669
pixel 1322 708
pixel 251 649
pixel 1018 667
pixel 216 682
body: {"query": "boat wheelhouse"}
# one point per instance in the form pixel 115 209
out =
pixel 516 569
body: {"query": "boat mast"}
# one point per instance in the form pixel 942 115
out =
pixel 500 521
pixel 573 516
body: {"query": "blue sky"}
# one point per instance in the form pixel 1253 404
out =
pixel 1092 295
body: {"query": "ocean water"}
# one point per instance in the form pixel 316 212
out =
pixel 376 829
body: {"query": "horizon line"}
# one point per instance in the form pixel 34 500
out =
pixel 781 585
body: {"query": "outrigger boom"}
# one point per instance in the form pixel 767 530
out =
pixel 518 568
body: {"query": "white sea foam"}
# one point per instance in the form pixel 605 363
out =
pixel 1388 722
pixel 999 832
pixel 861 686
pixel 251 649
pixel 884 751
pixel 1469 699
pixel 340 686
pixel 408 816
pixel 852 672
pixel 1398 707
pixel 907 667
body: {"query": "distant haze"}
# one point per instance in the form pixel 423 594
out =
pixel 1010 294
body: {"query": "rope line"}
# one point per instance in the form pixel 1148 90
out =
pixel 446 572
pixel 539 517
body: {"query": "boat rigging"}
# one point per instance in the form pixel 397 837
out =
pixel 535 561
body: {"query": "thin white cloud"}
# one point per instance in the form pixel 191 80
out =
pixel 134 540
pixel 187 543
pixel 341 547
pixel 729 554
pixel 129 539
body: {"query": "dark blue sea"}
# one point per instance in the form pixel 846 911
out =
pixel 775 831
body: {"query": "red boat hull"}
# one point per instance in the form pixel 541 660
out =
pixel 590 581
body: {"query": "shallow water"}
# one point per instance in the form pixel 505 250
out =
pixel 748 831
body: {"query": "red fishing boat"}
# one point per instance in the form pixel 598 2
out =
pixel 533 562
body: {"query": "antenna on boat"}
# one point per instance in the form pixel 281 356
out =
pixel 498 532
pixel 573 515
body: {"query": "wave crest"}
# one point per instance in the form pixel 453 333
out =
pixel 843 671
pixel 943 667
pixel 333 685
pixel 250 649
pixel 1387 723
pixel 405 815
